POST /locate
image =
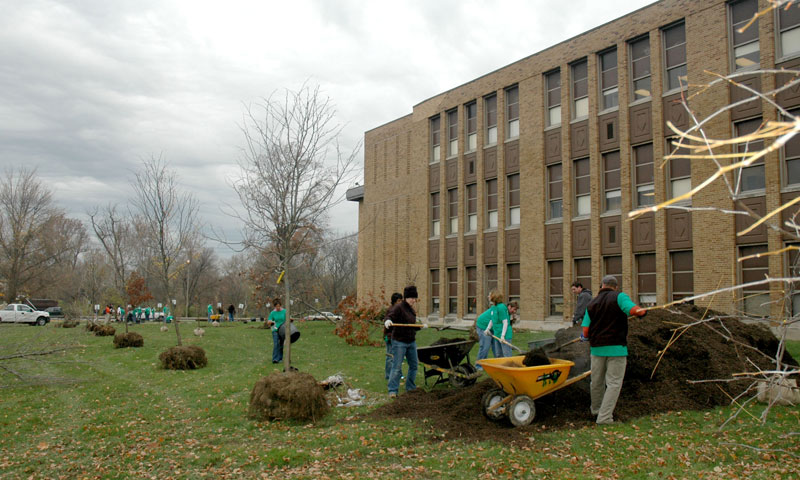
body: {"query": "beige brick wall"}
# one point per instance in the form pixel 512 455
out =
pixel 394 214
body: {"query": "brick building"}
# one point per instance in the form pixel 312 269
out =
pixel 522 179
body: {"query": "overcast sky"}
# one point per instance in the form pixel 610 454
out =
pixel 88 88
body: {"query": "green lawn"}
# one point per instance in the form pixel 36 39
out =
pixel 112 413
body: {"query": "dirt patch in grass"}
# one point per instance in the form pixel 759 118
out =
pixel 710 351
pixel 293 395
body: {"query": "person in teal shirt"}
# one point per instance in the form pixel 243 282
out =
pixel 147 314
pixel 167 316
pixel 210 312
pixel 276 318
pixel 481 324
pixel 605 326
pixel 500 326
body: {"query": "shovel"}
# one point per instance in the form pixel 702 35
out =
pixel 565 344
pixel 507 343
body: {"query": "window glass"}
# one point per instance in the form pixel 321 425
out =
pixel 553 100
pixel 491 280
pixel 491 119
pixel 452 291
pixel 744 40
pixel 452 209
pixel 583 272
pixel 434 291
pixel 612 265
pixel 749 178
pixel 608 79
pixel 680 170
pixel 643 172
pixel 512 112
pixel 452 132
pixel 435 221
pixel 675 56
pixel 682 271
pixel 472 290
pixel 555 271
pixel 580 90
pixel 513 284
pixel 491 203
pixel 789 27
pixel 646 279
pixel 554 191
pixel 611 182
pixel 435 139
pixel 513 199
pixel 471 112
pixel 472 207
pixel 581 174
pixel 640 67
pixel 755 298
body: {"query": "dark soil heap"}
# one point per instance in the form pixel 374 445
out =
pixel 130 339
pixel 292 395
pixel 713 350
pixel 184 357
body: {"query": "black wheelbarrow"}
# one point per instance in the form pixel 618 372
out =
pixel 446 359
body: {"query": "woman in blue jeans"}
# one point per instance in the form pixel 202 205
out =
pixel 484 340
pixel 404 344
pixel 387 337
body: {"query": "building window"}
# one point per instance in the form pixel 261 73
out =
pixel 609 89
pixel 491 203
pixel 681 274
pixel 580 90
pixel 435 219
pixel 513 284
pixel 643 171
pixel 789 31
pixel 744 40
pixel 679 171
pixel 452 210
pixel 611 182
pixel 749 178
pixel 674 39
pixel 583 199
pixel 793 288
pixel 471 112
pixel 452 291
pixel 472 207
pixel 512 112
pixel 490 104
pixel 553 101
pixel 452 133
pixel 612 265
pixel 491 280
pixel 791 156
pixel 555 274
pixel 434 291
pixel 640 67
pixel 646 279
pixel 435 138
pixel 583 271
pixel 755 299
pixel 554 192
pixel 512 184
pixel 472 290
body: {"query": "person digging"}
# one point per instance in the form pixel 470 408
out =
pixel 605 326
pixel 402 319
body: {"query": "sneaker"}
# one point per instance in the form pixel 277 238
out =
pixel 392 395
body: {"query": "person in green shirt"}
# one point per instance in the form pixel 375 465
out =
pixel 605 326
pixel 481 325
pixel 147 312
pixel 210 312
pixel 500 326
pixel 276 318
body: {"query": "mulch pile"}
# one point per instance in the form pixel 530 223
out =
pixel 713 350
pixel 292 395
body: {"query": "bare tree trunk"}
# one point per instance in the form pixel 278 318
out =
pixel 287 325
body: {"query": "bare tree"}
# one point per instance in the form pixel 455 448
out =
pixel 113 229
pixel 291 170
pixel 26 214
pixel 168 219
pixel 339 264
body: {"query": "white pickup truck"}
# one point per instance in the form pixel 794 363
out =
pixel 20 313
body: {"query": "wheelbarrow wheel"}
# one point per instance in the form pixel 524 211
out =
pixel 462 381
pixel 491 398
pixel 521 411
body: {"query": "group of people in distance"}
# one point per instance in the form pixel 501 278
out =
pixel 221 312
pixel 604 322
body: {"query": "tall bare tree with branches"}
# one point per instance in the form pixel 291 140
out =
pixel 113 229
pixel 168 219
pixel 291 169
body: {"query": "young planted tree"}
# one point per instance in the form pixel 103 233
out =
pixel 168 219
pixel 290 172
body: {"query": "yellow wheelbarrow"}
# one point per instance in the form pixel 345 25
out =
pixel 519 386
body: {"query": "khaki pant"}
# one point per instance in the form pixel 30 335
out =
pixel 607 376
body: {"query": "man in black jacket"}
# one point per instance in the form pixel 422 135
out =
pixel 584 297
pixel 404 340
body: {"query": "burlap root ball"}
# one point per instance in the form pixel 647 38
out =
pixel 130 339
pixel 184 357
pixel 104 330
pixel 292 395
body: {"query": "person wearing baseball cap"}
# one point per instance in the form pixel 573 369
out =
pixel 404 340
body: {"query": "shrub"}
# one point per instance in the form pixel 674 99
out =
pixel 183 357
pixel 360 319
pixel 130 339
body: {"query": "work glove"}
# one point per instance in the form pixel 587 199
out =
pixel 388 324
pixel 583 339
pixel 638 311
pixel 424 326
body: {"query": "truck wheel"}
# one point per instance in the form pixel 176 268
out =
pixel 41 321
pixel 521 411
